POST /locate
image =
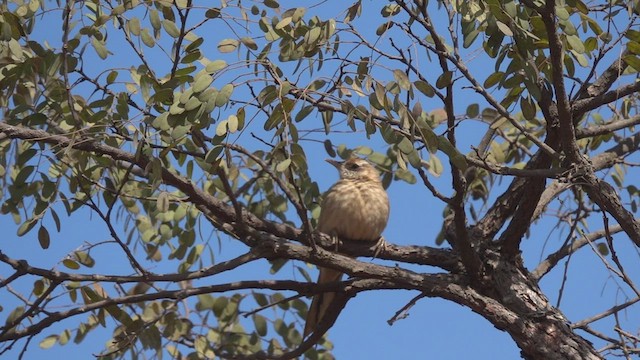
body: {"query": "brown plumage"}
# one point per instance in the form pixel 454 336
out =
pixel 355 208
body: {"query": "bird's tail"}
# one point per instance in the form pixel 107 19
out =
pixel 321 301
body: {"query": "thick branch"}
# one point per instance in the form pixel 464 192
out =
pixel 606 197
pixel 599 191
pixel 556 54
pixel 604 82
pixel 224 215
pixel 582 106
pixel 437 284
pixel 607 128
pixel 521 221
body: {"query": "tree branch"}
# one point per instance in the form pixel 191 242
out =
pixel 553 259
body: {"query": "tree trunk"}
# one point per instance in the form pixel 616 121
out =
pixel 513 302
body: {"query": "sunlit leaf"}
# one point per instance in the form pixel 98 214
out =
pixel 402 79
pixel 228 45
pixel 48 342
pixel 171 28
pixel 216 65
pixel 283 165
pixel 100 48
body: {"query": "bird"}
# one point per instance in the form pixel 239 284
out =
pixel 355 208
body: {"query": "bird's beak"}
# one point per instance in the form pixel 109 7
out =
pixel 335 163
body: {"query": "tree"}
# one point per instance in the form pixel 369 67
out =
pixel 168 121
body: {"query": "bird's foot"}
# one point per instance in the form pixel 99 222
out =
pixel 381 246
pixel 335 241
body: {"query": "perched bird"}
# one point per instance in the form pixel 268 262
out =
pixel 355 208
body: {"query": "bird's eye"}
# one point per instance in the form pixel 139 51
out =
pixel 352 166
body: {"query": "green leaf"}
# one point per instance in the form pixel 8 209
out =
pixel 161 121
pixel 220 304
pixel 406 176
pixel 260 324
pixel 134 26
pixel 304 112
pixel 56 219
pixel 435 165
pixel 493 79
pixel 328 147
pixel 232 123
pixel 38 287
pixel 212 13
pixel 147 39
pixel 228 45
pixel 456 158
pixel 178 132
pixel 171 28
pixel 271 4
pixel 192 104
pixel 111 78
pixel 504 28
pixel 283 23
pixel 162 202
pixel 118 10
pixel 48 342
pixel 100 48
pixel 203 80
pixel 312 35
pixel 283 165
pixel 603 249
pixel 298 14
pixel 444 80
pixel 213 154
pixel 221 128
pixel 562 13
pixel 274 119
pixel 216 65
pixel 205 302
pixel 473 111
pixel 154 18
pixel 382 28
pixel 241 116
pixel 528 108
pixel 249 42
pixel 224 95
pixel 26 227
pixel 390 10
pixel 470 38
pixel 43 237
pixel 402 79
pixel 84 258
pixel 425 88
pixel 633 35
pixel 414 158
pixel 575 43
pixel 405 145
pixel 15 314
pixel 633 61
pixel 70 264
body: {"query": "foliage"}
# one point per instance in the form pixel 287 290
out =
pixel 168 121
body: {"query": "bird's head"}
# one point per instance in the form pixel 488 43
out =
pixel 356 169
